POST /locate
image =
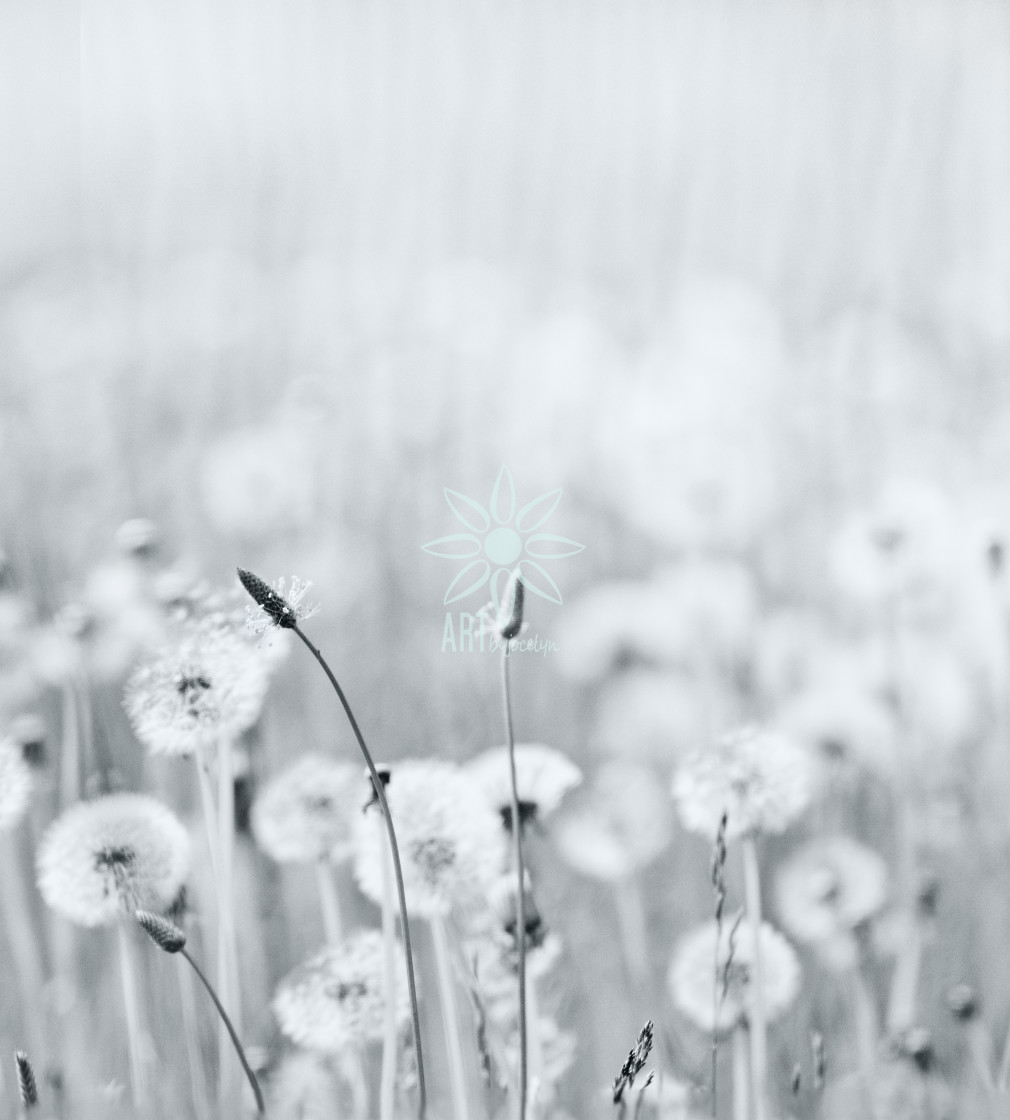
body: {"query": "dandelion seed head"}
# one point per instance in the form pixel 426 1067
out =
pixel 337 997
pixel 104 859
pixel 208 684
pixel 15 784
pixel 306 812
pixel 543 777
pixel 761 780
pixel 829 887
pixel 620 824
pixel 452 846
pixel 697 989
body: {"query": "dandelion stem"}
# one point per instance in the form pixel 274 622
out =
pixel 758 1033
pixel 517 838
pixel 387 1083
pixel 128 973
pixel 380 795
pixel 741 1074
pixel 450 1018
pixel 231 1031
pixel 865 1015
pixel 632 925
pixel 226 941
pixel 329 902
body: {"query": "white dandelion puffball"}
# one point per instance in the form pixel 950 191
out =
pixel 697 990
pixel 621 824
pixel 452 845
pixel 210 684
pixel 305 813
pixel 829 887
pixel 104 859
pixel 543 777
pixel 761 780
pixel 15 784
pixel 337 997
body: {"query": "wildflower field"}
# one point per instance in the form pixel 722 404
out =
pixel 505 560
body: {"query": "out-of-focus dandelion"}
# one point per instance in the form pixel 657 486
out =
pixel 336 998
pixel 450 838
pixel 15 784
pixel 543 774
pixel 208 685
pixel 619 825
pixel 906 1086
pixel 305 813
pixel 829 887
pixel 720 999
pixel 103 859
pixel 760 779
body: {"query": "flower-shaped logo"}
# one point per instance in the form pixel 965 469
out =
pixel 501 540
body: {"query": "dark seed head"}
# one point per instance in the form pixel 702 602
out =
pixel 262 593
pixel 161 931
pixel 511 614
pixel 27 1085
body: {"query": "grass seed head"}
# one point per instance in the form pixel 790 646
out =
pixel 27 1085
pixel 165 934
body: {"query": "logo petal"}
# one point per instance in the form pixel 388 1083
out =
pixel 503 497
pixel 538 580
pixel 460 588
pixel 535 513
pixel 472 514
pixel 549 546
pixel 456 546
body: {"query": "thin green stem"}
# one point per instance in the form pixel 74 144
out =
pixel 260 1106
pixel 517 837
pixel 380 795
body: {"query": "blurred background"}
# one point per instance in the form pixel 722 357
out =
pixel 733 275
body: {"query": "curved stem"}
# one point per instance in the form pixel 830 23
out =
pixel 261 1107
pixel 517 836
pixel 387 1082
pixel 380 794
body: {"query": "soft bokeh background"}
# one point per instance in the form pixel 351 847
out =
pixel 273 275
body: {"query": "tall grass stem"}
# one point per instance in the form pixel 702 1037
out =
pixel 380 794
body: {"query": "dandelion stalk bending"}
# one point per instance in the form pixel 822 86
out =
pixel 171 939
pixel 275 610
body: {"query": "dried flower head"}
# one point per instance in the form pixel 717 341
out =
pixel 760 779
pixel 106 858
pixel 621 823
pixel 829 887
pixel 452 847
pixel 165 934
pixel 278 605
pixel 208 684
pixel 337 997
pixel 701 988
pixel 306 812
pixel 638 1055
pixel 543 777
pixel 15 784
pixel 27 1085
